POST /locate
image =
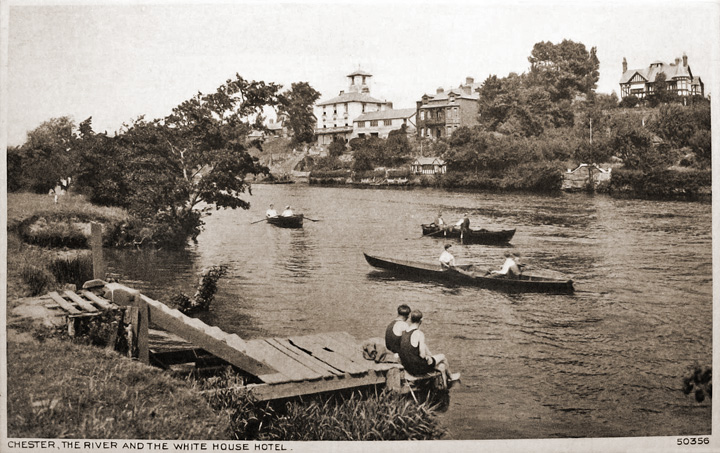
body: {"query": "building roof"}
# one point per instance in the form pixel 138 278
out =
pixel 458 92
pixel 359 72
pixel 671 71
pixel 386 114
pixel 429 161
pixel 352 97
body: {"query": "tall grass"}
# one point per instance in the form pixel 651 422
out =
pixel 57 389
pixel 75 270
pixel 356 415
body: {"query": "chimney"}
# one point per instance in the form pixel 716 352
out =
pixel 469 80
pixel 342 92
pixel 624 65
pixel 684 59
pixel 439 90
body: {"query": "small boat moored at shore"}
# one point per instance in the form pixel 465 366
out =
pixel 467 275
pixel 471 236
pixel 293 221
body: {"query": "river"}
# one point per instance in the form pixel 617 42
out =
pixel 607 361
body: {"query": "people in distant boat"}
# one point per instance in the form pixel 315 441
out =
pixel 510 268
pixel 395 329
pixel 463 223
pixel 271 212
pixel 446 258
pixel 287 212
pixel 440 222
pixel 415 355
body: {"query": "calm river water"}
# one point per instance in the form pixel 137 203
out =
pixel 607 361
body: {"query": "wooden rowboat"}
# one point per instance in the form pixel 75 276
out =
pixel 472 236
pixel 467 275
pixel 294 221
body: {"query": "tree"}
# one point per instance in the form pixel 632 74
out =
pixel 397 147
pixel 46 157
pixel 296 105
pixel 195 156
pixel 336 148
pixel 565 69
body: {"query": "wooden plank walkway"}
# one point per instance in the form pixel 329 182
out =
pixel 285 366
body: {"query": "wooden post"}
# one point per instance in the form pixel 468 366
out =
pixel 143 320
pixel 97 254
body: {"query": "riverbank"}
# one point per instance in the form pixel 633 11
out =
pixel 667 184
pixel 102 394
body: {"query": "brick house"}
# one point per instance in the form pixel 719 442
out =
pixel 679 78
pixel 440 114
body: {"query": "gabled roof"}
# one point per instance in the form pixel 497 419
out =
pixel 671 71
pixel 352 97
pixel 386 114
pixel 457 92
pixel 429 161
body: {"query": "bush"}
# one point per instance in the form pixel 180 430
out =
pixel 660 183
pixel 38 279
pixel 76 270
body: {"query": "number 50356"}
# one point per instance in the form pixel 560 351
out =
pixel 693 440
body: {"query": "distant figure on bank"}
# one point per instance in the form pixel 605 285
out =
pixel 287 212
pixel 55 194
pixel 395 329
pixel 510 267
pixel 446 258
pixel 415 356
pixel 271 212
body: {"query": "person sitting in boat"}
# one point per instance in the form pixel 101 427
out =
pixel 271 212
pixel 447 260
pixel 510 268
pixel 415 355
pixel 395 329
pixel 440 222
pixel 464 223
pixel 287 212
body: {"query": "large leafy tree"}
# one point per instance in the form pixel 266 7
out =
pixel 296 105
pixel 46 157
pixel 195 158
pixel 565 69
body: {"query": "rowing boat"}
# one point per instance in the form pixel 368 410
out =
pixel 294 221
pixel 470 236
pixel 466 274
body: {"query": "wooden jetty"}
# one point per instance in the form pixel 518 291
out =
pixel 279 367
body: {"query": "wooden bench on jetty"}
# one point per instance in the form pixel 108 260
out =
pixel 279 367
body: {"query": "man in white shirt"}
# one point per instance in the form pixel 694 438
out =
pixel 287 212
pixel 510 267
pixel 271 212
pixel 446 258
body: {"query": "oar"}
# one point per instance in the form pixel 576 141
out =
pixel 438 231
pixel 313 220
pixel 258 221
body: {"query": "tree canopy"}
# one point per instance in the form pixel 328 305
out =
pixel 296 105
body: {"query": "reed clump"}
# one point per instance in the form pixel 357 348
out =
pixel 354 415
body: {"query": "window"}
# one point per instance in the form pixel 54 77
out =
pixel 361 123
pixel 387 122
pixel 373 134
pixel 363 107
pixel 422 115
pixel 373 123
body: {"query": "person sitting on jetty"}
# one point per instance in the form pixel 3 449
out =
pixel 271 212
pixel 446 258
pixel 415 355
pixel 395 329
pixel 287 212
pixel 510 268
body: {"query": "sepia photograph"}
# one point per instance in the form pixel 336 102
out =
pixel 358 226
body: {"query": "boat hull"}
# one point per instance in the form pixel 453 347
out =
pixel 465 276
pixel 472 236
pixel 295 221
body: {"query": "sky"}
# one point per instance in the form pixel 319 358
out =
pixel 117 61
